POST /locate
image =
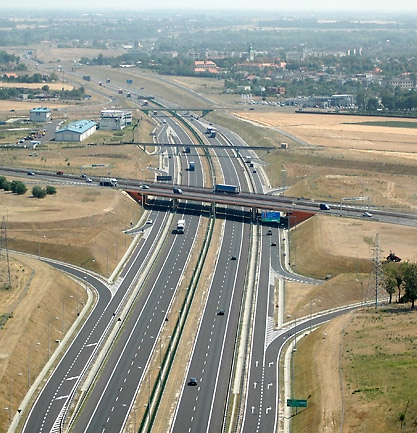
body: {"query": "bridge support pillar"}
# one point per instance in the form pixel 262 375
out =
pixel 174 203
pixel 254 212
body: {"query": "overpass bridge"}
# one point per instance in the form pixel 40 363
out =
pixel 205 146
pixel 255 203
pixel 173 111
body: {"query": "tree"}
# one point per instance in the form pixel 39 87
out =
pixel 373 104
pixel 410 282
pixel 390 278
pixel 399 279
pixel 50 190
pixel 18 187
pixel 7 185
pixel 38 192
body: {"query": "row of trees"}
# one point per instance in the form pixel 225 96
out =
pixel 18 187
pixel 26 78
pixel 402 278
pixel 15 92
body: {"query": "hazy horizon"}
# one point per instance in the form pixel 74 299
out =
pixel 376 6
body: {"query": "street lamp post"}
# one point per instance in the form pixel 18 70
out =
pixel 63 316
pixel 357 265
pixel 39 247
pixel 107 262
pixel 29 350
pixel 284 172
pixel 49 335
pixel 10 399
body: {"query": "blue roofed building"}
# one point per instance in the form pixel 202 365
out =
pixel 76 131
pixel 40 114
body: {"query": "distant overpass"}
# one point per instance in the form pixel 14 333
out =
pixel 205 146
pixel 203 111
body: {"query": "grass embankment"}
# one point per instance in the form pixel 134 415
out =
pixel 376 357
pixel 42 305
pixel 83 225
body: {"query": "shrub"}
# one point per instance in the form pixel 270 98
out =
pixel 50 190
pixel 38 192
pixel 18 187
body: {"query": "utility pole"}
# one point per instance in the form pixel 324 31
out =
pixel 3 245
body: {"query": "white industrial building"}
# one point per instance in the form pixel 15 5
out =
pixel 40 114
pixel 114 119
pixel 76 131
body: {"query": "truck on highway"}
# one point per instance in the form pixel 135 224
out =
pixel 106 181
pixel 191 166
pixel 211 132
pixel 227 189
pixel 180 227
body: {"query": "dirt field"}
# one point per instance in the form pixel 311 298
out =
pixel 344 132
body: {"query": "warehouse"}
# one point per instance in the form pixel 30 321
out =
pixel 76 131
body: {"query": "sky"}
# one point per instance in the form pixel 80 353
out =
pixel 275 5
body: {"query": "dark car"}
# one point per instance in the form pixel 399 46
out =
pixel 192 381
pixel 269 232
pixel 220 312
pixel 233 258
pixel 273 244
pixel 31 173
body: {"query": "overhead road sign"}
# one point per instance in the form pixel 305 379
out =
pixel 271 217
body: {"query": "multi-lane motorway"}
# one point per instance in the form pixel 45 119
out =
pixel 130 315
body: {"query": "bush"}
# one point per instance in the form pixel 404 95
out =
pixel 7 186
pixel 38 192
pixel 50 190
pixel 18 187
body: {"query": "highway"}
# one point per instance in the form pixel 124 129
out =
pixel 128 366
pixel 201 407
pixel 60 390
pixel 132 314
pixel 53 402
